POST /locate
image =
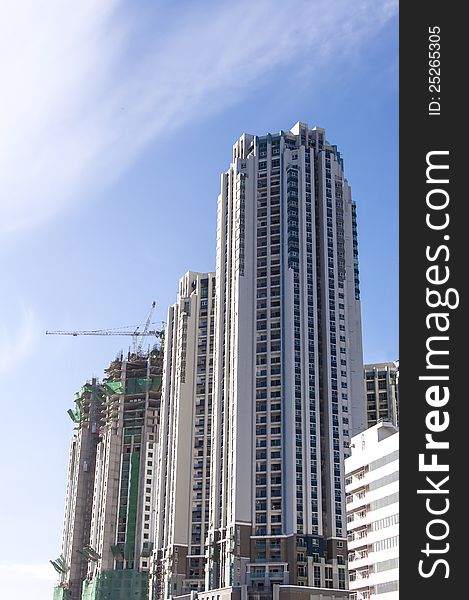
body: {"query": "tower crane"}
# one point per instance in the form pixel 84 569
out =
pixel 137 335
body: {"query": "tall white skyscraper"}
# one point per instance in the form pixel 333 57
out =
pixel 288 381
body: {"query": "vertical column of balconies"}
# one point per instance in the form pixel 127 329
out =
pixel 268 342
pixel 358 529
pixel 311 326
pixel 202 433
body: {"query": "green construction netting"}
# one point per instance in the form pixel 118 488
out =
pixel 147 549
pixel 132 506
pixel 85 389
pixel 60 593
pixel 134 385
pixel 78 394
pixel 114 387
pixel 117 585
pixel 118 550
pixel 156 383
pixel 74 414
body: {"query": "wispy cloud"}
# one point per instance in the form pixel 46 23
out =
pixel 85 88
pixel 18 342
pixel 44 572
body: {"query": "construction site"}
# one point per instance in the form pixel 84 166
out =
pixel 110 499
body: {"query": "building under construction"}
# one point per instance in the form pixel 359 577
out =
pixel 72 565
pixel 110 506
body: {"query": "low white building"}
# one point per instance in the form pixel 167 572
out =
pixel 372 488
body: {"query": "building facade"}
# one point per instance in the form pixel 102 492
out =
pixel 278 592
pixel 372 487
pixel 382 392
pixel 185 440
pixel 288 379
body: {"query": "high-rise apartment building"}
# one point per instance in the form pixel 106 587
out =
pixel 185 439
pixel 288 379
pixel 382 392
pixel 109 530
pixel 372 487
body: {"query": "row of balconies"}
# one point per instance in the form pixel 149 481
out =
pixel 360 595
pixel 356 479
pixel 356 496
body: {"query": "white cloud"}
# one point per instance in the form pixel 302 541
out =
pixel 84 88
pixel 44 572
pixel 17 343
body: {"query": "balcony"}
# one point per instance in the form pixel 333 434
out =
pixel 356 496
pixel 358 516
pixel 358 575
pixel 356 480
pixel 358 535
pixel 357 555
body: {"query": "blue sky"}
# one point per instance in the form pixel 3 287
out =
pixel 117 119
